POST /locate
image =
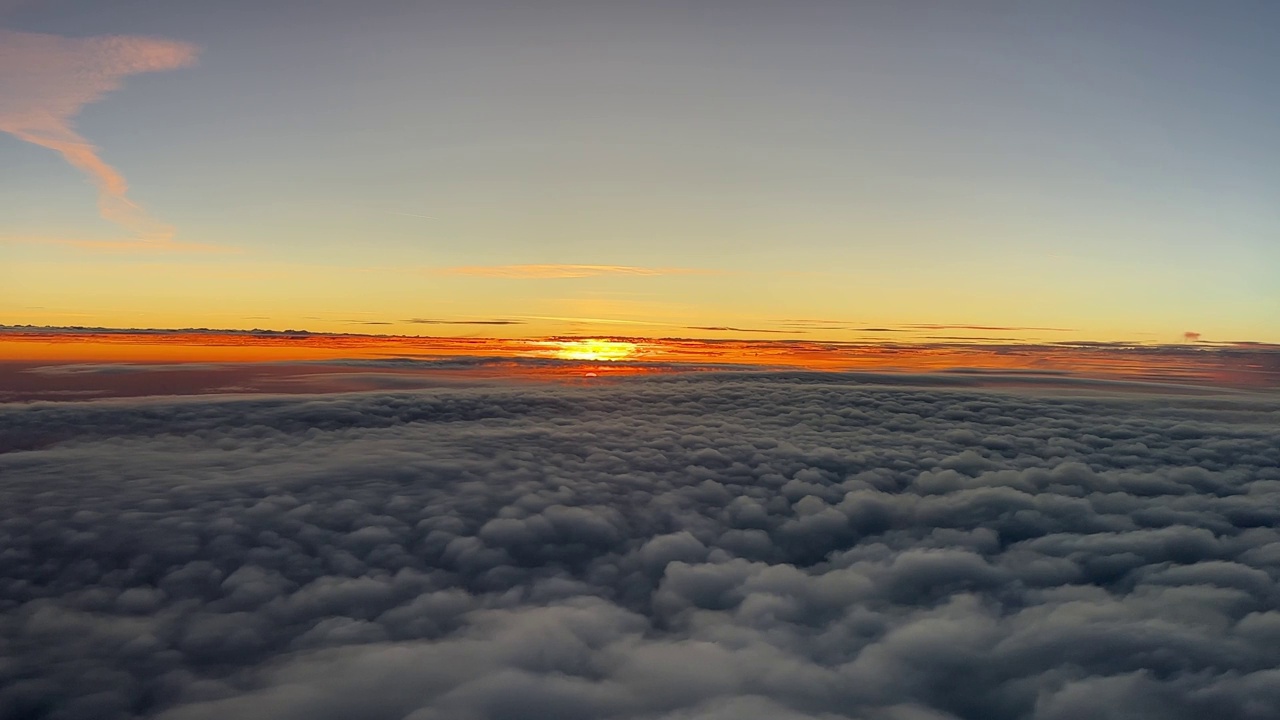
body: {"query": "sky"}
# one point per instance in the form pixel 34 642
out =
pixel 1040 171
pixel 652 360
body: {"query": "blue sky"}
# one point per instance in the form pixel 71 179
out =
pixel 1108 167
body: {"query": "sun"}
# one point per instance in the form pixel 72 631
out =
pixel 593 349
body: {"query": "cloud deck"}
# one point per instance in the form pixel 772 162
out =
pixel 683 547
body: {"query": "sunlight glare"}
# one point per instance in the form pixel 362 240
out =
pixel 593 349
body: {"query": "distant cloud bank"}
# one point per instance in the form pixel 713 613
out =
pixel 791 547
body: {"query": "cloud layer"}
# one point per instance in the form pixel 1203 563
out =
pixel 45 80
pixel 776 546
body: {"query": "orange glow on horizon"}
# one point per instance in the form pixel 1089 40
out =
pixel 305 362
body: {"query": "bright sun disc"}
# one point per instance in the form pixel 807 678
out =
pixel 594 350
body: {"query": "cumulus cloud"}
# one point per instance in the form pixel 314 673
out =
pixel 770 546
pixel 45 80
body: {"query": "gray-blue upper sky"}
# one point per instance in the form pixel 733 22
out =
pixel 1104 165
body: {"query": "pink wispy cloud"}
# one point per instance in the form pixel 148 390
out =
pixel 45 81
pixel 560 271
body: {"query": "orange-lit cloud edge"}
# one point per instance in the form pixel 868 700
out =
pixel 53 363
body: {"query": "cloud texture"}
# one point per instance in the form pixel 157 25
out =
pixel 705 547
pixel 45 80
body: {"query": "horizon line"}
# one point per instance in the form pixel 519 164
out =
pixel 898 341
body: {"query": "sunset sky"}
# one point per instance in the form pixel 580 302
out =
pixel 639 359
pixel 1011 171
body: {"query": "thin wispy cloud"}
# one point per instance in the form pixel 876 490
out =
pixel 430 321
pixel 969 338
pixel 550 271
pixel 726 328
pixel 46 80
pixel 929 326
pixel 910 327
pixel 803 322
pixel 834 325
pixel 594 320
